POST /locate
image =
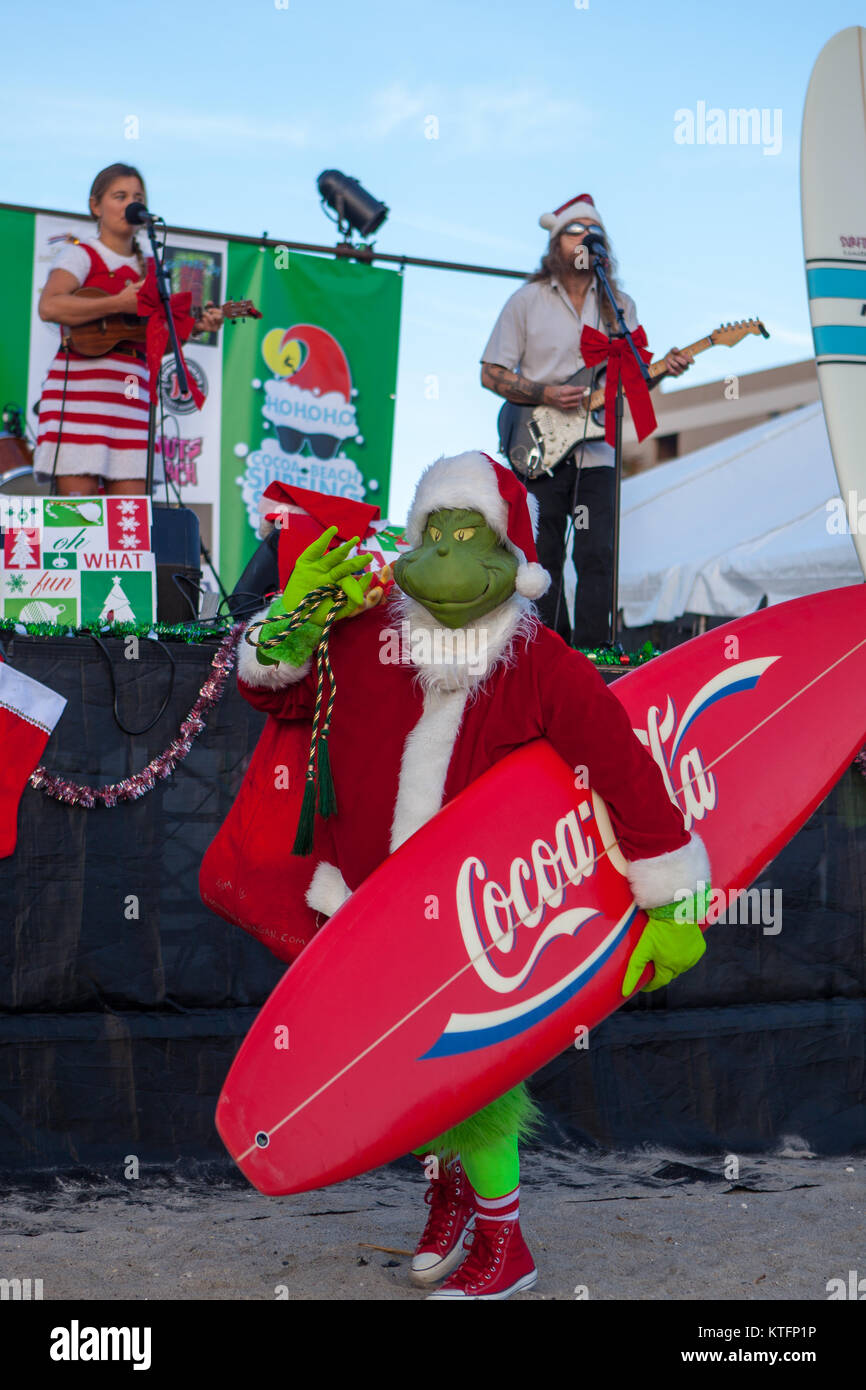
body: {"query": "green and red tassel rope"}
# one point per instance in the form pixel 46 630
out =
pixel 318 776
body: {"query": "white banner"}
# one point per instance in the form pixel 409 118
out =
pixel 189 443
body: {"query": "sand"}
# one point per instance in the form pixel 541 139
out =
pixel 649 1225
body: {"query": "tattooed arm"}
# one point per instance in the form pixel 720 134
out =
pixel 521 391
pixel 511 385
pixel 507 343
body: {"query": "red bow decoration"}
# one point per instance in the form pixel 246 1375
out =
pixel 595 347
pixel 150 306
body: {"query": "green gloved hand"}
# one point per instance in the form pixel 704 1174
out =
pixel 673 946
pixel 313 569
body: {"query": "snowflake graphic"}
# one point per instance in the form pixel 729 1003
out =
pixel 128 542
pixel 129 524
pixel 128 508
pixel 16 584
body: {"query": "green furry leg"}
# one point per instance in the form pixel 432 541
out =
pixel 495 1170
pixel 513 1116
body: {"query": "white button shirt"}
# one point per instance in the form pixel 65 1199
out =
pixel 537 335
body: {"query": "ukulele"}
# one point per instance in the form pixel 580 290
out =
pixel 535 438
pixel 99 336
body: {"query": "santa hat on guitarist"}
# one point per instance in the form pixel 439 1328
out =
pixel 476 482
pixel 582 206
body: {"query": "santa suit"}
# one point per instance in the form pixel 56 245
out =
pixel 411 729
pixel 420 712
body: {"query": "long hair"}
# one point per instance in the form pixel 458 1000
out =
pixel 553 263
pixel 101 184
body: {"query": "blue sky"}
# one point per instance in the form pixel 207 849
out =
pixel 241 105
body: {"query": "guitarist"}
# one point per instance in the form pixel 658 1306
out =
pixel 533 350
pixel 92 426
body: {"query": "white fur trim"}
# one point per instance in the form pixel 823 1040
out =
pixel 460 658
pixel 655 881
pixel 553 222
pixel 532 581
pixel 30 700
pixel 252 672
pixel 424 765
pixel 328 889
pixel 466 480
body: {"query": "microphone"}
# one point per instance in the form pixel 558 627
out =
pixel 594 243
pixel 137 215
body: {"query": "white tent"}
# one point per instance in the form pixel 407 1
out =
pixel 714 531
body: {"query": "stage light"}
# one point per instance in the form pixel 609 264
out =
pixel 355 208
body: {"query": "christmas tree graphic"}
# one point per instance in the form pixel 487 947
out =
pixel 117 607
pixel 22 556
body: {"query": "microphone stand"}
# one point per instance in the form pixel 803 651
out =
pixel 624 332
pixel 203 550
pixel 164 288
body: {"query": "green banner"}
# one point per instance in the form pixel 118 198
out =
pixel 308 389
pixel 305 394
pixel 16 250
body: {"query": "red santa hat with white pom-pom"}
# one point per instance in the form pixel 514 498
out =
pixel 475 482
pixel 581 206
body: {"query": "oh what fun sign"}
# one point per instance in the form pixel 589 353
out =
pixel 77 560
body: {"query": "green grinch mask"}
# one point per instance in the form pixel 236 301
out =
pixel 460 571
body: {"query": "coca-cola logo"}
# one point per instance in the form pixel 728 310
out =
pixel 508 924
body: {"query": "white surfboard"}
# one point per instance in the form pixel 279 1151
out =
pixel 833 196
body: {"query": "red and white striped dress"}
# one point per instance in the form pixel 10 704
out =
pixel 104 428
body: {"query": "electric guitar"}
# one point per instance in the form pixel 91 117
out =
pixel 99 336
pixel 535 438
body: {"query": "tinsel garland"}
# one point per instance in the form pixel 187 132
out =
pixel 191 633
pixel 616 655
pixel 194 634
pixel 164 764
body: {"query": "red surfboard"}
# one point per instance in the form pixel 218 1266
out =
pixel 470 957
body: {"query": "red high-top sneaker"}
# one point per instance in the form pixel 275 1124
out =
pixel 498 1263
pixel 451 1200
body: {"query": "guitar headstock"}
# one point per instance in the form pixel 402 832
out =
pixel 240 309
pixel 234 309
pixel 728 334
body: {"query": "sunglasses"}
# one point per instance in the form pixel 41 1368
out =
pixel 324 446
pixel 576 229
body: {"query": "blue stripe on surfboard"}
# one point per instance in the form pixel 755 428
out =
pixel 837 282
pixel 473 1040
pixel 844 338
pixel 746 683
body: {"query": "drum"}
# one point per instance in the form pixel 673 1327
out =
pixel 16 468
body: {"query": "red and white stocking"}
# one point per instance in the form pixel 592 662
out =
pixel 28 713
